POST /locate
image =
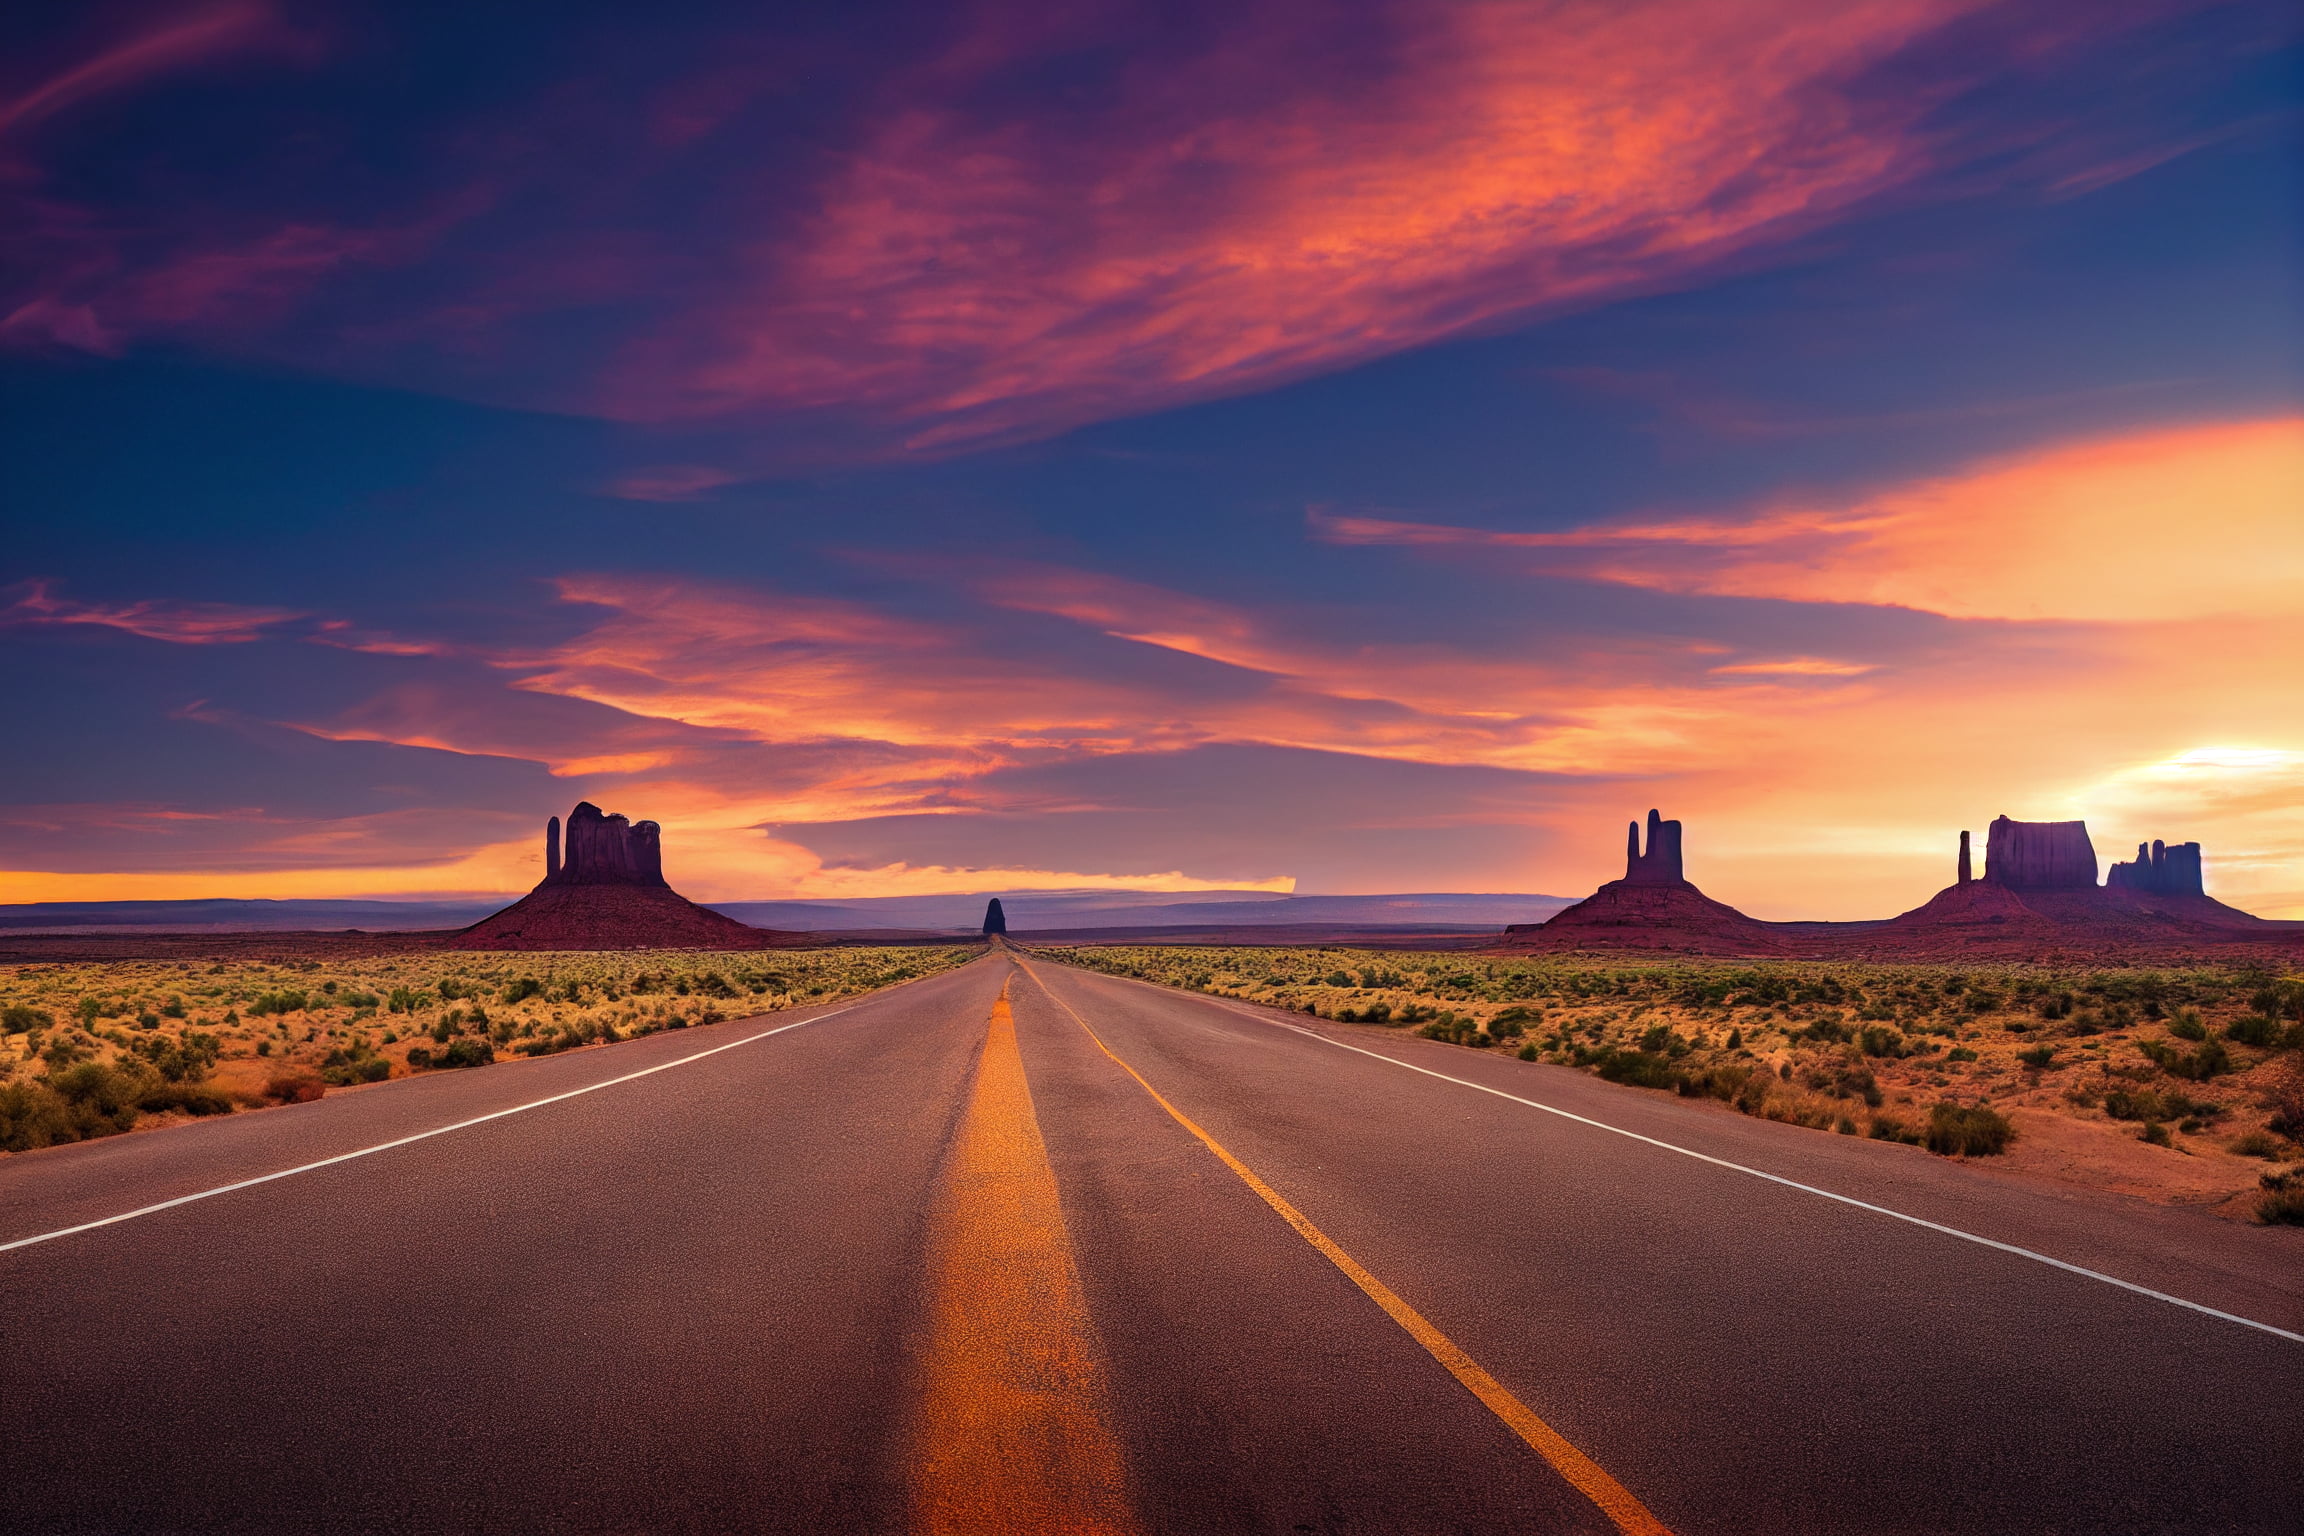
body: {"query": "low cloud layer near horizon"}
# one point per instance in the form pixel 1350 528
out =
pixel 1296 450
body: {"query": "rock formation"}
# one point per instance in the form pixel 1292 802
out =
pixel 995 920
pixel 1660 865
pixel 605 850
pixel 1652 907
pixel 2038 901
pixel 2161 868
pixel 2039 855
pixel 604 888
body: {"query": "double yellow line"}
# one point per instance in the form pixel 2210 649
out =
pixel 1017 1433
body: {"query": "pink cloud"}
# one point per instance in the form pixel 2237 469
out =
pixel 1235 220
pixel 177 623
pixel 671 482
pixel 192 37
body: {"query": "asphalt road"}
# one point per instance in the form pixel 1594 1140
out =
pixel 1109 1258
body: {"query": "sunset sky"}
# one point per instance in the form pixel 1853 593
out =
pixel 1318 447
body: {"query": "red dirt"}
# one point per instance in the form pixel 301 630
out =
pixel 592 917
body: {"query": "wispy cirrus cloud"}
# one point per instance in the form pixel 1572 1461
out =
pixel 1274 205
pixel 179 41
pixel 1218 208
pixel 179 623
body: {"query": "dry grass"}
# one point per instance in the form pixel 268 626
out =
pixel 89 1049
pixel 2182 1059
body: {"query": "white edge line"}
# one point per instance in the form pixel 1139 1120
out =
pixel 1773 1178
pixel 386 1146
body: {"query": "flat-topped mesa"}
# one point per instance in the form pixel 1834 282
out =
pixel 603 850
pixel 2039 855
pixel 1660 865
pixel 2164 869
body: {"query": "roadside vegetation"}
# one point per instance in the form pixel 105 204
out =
pixel 96 1049
pixel 2191 1060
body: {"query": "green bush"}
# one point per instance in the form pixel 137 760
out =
pixel 1978 1131
pixel 33 1115
pixel 522 990
pixel 1960 1053
pixel 191 1098
pixel 2187 1026
pixel 1638 1069
pixel 100 1100
pixel 1879 1040
pixel 2039 1058
pixel 1890 1127
pixel 2196 1065
pixel 2253 1029
pixel 285 1001
pixel 21 1018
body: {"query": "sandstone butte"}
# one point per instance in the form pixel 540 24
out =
pixel 2037 900
pixel 609 892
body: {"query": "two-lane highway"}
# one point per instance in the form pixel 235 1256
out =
pixel 1020 1248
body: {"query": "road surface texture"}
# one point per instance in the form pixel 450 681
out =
pixel 1021 1248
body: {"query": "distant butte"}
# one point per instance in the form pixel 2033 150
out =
pixel 609 892
pixel 2038 899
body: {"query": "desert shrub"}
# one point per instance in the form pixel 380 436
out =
pixel 1529 1052
pixel 2187 1025
pixel 2039 1058
pixel 1638 1069
pixel 1801 1109
pixel 1960 1053
pixel 2156 1134
pixel 33 1115
pixel 1893 1127
pixel 1827 1031
pixel 466 1053
pixel 190 1098
pixel 22 1019
pixel 522 990
pixel 173 1008
pixel 2282 999
pixel 284 1001
pixel 2253 1029
pixel 100 1100
pixel 294 1085
pixel 2168 1104
pixel 2284 1096
pixel 1962 1131
pixel 2055 1006
pixel 2196 1065
pixel 2257 1144
pixel 2282 1203
pixel 452 990
pixel 1878 1040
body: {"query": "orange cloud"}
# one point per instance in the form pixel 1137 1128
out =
pixel 1227 222
pixel 2179 523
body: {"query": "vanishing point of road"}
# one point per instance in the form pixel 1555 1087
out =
pixel 1020 1248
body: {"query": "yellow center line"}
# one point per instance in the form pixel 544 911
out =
pixel 1582 1472
pixel 1014 1426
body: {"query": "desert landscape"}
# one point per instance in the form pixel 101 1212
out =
pixel 829 768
